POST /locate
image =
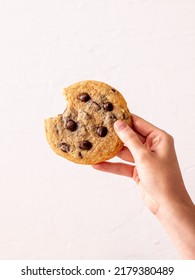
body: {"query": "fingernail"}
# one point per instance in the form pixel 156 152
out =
pixel 120 125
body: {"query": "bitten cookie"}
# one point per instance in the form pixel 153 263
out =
pixel 84 133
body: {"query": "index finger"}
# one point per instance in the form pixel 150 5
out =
pixel 142 126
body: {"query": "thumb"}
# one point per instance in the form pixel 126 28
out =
pixel 129 138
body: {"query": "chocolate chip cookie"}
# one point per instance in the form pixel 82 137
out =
pixel 84 133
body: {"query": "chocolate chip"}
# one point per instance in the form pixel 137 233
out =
pixel 84 97
pixel 80 155
pixel 124 116
pixel 64 147
pixel 71 125
pixel 102 131
pixel 108 106
pixel 85 145
pixel 113 89
pixel 113 117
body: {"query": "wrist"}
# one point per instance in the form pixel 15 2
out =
pixel 174 197
pixel 178 218
pixel 174 207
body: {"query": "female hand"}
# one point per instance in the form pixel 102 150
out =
pixel 156 171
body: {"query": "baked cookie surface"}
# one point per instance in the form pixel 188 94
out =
pixel 84 133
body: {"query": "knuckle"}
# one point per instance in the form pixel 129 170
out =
pixel 168 138
pixel 162 134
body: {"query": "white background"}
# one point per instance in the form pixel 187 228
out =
pixel 54 209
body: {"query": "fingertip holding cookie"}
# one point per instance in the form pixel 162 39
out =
pixel 120 125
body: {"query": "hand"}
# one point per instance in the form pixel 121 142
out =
pixel 156 171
